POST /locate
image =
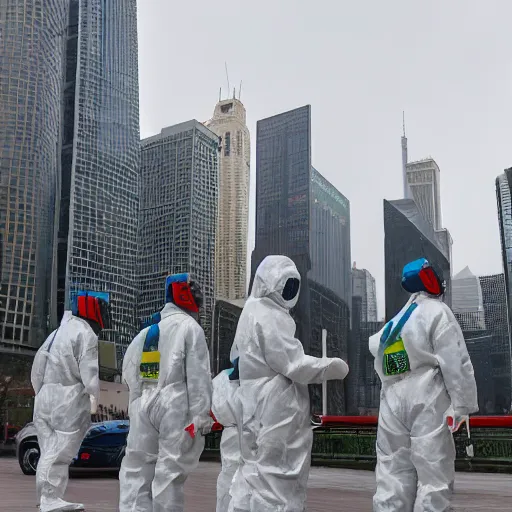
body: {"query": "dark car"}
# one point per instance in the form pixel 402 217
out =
pixel 102 448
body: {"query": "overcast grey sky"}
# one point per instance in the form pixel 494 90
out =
pixel 447 63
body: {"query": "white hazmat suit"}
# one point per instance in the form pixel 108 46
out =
pixel 415 448
pixel 276 435
pixel 65 380
pixel 224 408
pixel 160 454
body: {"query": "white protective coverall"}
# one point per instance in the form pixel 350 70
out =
pixel 276 434
pixel 65 380
pixel 224 407
pixel 160 454
pixel 415 449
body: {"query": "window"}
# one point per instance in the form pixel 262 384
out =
pixel 227 144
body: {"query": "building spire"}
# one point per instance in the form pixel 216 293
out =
pixel 407 189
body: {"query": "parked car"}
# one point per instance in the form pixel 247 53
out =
pixel 102 448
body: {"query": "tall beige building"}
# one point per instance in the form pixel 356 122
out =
pixel 229 123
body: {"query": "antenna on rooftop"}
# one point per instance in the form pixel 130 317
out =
pixel 403 120
pixel 227 76
pixel 240 91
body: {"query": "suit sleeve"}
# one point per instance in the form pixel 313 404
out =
pixel 199 381
pixel 88 364
pixel 39 368
pixel 285 355
pixel 131 365
pixel 455 363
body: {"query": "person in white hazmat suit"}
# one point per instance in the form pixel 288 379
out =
pixel 66 383
pixel 224 408
pixel 276 435
pixel 427 377
pixel 167 370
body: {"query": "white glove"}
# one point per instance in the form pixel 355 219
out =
pixel 455 419
pixel 337 370
pixel 94 404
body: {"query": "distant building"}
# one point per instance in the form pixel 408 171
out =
pixel 330 237
pixel 178 215
pixel 363 285
pixel 328 311
pixel 283 191
pixel 423 180
pixel 408 236
pixel 496 318
pixel 229 123
pixel 225 322
pixel 297 211
pixel 467 301
pixel 32 38
pixel 479 304
pixel 98 201
pixel 504 198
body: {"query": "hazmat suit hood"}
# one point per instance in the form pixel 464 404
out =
pixel 277 278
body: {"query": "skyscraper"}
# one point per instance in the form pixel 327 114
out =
pixel 363 285
pixel 283 189
pixel 31 59
pixel 504 198
pixel 330 237
pixel 494 299
pixel 297 211
pixel 408 236
pixel 98 201
pixel 178 216
pixel 229 123
pixel 423 179
pixel 479 304
pixel 467 301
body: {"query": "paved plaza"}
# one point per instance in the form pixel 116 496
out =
pixel 330 490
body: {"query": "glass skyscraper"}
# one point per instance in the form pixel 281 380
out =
pixel 330 237
pixel 178 216
pixel 98 201
pixel 408 236
pixel 31 56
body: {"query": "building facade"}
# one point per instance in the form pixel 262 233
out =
pixel 98 200
pixel 225 322
pixel 467 301
pixel 31 58
pixel 178 214
pixel 363 285
pixel 423 181
pixel 504 199
pixel 408 236
pixel 301 215
pixel 330 238
pixel 494 297
pixel 362 385
pixel 283 187
pixel 229 123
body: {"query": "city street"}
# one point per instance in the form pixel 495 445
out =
pixel 329 490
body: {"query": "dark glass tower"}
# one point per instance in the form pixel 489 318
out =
pixel 301 215
pixel 31 59
pixel 283 187
pixel 408 236
pixel 99 204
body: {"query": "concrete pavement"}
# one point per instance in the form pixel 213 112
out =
pixel 330 490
